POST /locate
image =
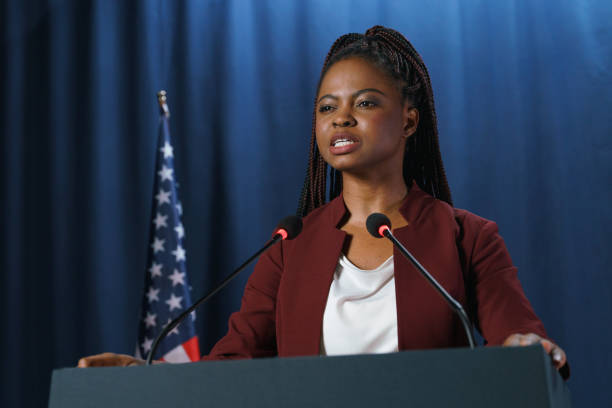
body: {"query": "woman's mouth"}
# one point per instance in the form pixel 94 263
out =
pixel 343 144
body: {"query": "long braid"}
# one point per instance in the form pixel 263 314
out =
pixel 437 176
pixel 391 52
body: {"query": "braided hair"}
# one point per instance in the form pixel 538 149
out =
pixel 390 52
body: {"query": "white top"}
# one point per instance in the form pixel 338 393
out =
pixel 361 314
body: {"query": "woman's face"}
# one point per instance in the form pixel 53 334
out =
pixel 362 123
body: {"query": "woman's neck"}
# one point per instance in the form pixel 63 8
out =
pixel 366 196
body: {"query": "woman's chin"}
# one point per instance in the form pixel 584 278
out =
pixel 342 165
pixel 351 169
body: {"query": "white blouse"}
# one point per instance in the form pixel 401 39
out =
pixel 361 314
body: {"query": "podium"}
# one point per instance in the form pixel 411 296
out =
pixel 484 377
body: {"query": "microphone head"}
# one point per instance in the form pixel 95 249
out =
pixel 289 227
pixel 377 223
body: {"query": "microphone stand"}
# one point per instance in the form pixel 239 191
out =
pixel 170 326
pixel 456 306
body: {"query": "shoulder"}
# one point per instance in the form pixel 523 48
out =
pixel 474 235
pixel 475 226
pixel 467 228
pixel 470 220
pixel 480 241
pixel 421 208
pixel 438 209
pixel 470 216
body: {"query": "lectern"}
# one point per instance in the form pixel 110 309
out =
pixel 484 377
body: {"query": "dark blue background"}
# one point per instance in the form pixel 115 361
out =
pixel 523 92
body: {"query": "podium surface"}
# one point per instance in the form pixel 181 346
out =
pixel 484 377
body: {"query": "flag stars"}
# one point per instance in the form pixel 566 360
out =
pixel 177 278
pixel 158 245
pixel 162 197
pixel 174 302
pixel 166 173
pixel 146 344
pixel 150 320
pixel 155 269
pixel 180 231
pixel 179 253
pixel 164 298
pixel 167 150
pixel 160 221
pixel 153 295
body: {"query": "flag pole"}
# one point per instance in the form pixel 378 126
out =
pixel 163 104
pixel 166 259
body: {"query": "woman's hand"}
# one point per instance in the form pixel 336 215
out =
pixel 109 360
pixel 555 352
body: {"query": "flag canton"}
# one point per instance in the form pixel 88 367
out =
pixel 166 286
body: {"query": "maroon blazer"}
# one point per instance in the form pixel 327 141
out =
pixel 285 297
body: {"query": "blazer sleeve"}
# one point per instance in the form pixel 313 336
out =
pixel 498 302
pixel 252 330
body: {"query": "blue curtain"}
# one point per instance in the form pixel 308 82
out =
pixel 523 90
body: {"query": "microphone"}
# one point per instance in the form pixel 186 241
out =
pixel 379 226
pixel 288 228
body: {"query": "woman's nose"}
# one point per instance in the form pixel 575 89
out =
pixel 344 120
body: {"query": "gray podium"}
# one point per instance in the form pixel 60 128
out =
pixel 485 377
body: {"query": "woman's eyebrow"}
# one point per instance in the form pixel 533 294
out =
pixel 356 94
pixel 327 96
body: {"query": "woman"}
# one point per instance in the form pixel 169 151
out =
pixel 337 290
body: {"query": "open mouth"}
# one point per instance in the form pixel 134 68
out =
pixel 343 139
pixel 342 142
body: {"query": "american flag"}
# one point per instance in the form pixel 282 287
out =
pixel 167 289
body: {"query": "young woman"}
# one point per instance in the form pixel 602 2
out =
pixel 337 290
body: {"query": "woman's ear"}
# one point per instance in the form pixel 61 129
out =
pixel 410 117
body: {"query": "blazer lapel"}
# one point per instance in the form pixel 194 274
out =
pixel 308 279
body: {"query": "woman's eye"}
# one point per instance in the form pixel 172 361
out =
pixel 325 108
pixel 367 104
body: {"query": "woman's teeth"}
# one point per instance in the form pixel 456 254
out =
pixel 340 143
